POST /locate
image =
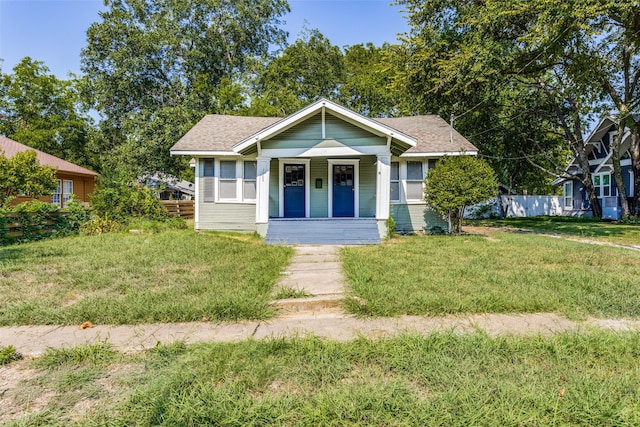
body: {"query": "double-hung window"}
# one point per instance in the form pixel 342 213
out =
pixel 415 177
pixel 228 183
pixel 67 192
pixel 56 197
pixel 602 184
pixel 249 183
pixel 395 182
pixel 568 195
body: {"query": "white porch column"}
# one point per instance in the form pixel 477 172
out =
pixel 383 186
pixel 262 190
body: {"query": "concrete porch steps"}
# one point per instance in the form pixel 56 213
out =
pixel 323 231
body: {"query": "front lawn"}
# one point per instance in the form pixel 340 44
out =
pixel 119 278
pixel 496 273
pixel 587 228
pixel 442 379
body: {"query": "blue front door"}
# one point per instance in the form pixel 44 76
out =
pixel 294 193
pixel 343 191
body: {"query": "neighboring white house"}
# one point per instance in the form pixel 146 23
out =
pixel 323 174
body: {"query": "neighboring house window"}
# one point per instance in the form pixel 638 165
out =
pixel 249 183
pixel 227 186
pixel 602 184
pixel 568 195
pixel 415 177
pixel 57 193
pixel 67 192
pixel 395 181
pixel 208 183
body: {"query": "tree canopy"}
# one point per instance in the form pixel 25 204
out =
pixel 23 174
pixel 457 182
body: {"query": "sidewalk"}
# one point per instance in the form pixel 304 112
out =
pixel 33 340
pixel 316 270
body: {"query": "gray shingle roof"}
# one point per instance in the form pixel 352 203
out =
pixel 10 148
pixel 220 133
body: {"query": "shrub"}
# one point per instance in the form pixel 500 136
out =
pixel 391 227
pixel 120 198
pixel 36 220
pixel 9 354
pixel 99 225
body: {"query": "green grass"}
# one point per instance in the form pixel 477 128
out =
pixel 128 278
pixel 441 379
pixel 499 273
pixel 8 354
pixel 587 228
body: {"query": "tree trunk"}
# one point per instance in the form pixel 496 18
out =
pixel 583 160
pixel 617 171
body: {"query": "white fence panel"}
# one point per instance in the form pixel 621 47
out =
pixel 519 206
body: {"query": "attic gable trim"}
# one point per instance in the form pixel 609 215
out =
pixel 322 105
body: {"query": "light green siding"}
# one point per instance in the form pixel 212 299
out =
pixel 416 217
pixel 309 133
pixel 319 196
pixel 224 216
pixel 368 172
pixel 274 188
pixel 350 134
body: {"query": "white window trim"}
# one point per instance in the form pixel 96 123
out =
pixel 57 192
pixel 254 180
pixel 65 196
pixel 403 182
pixel 602 186
pixel 399 180
pixel 239 180
pixel 307 186
pixel 566 197
pixel 631 182
pixel 356 184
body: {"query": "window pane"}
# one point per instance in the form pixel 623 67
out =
pixel 250 169
pixel 228 169
pixel 414 171
pixel 605 179
pixel 395 171
pixel 208 167
pixel 596 180
pixel 227 189
pixel 414 190
pixel 249 190
pixel 395 191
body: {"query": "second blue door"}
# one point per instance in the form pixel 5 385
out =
pixel 343 191
pixel 294 194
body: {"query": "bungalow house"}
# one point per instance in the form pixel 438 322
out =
pixel 72 179
pixel 324 174
pixel 575 200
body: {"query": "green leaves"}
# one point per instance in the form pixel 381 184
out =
pixel 459 181
pixel 22 174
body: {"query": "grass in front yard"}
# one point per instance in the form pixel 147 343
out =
pixel 138 278
pixel 587 228
pixel 497 273
pixel 441 379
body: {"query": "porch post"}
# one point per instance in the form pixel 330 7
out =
pixel 262 190
pixel 383 186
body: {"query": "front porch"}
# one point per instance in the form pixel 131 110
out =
pixel 323 231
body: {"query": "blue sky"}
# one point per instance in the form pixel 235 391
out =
pixel 53 31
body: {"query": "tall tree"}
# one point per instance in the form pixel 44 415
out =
pixel 467 52
pixel 309 68
pixel 147 59
pixel 42 111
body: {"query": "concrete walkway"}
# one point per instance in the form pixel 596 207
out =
pixel 316 270
pixel 33 340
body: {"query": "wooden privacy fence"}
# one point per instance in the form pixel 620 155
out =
pixel 182 208
pixel 17 227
